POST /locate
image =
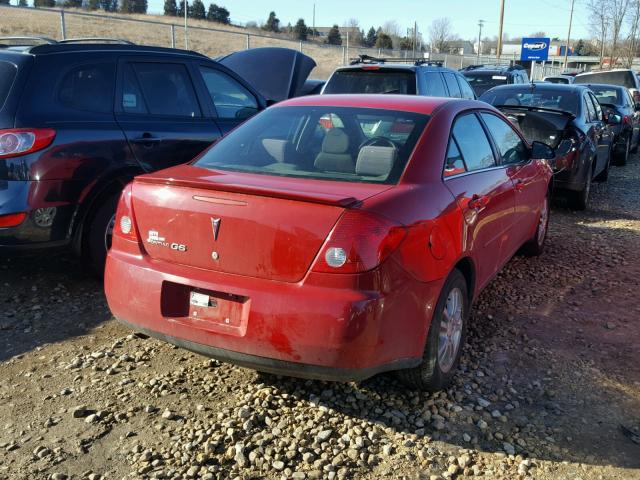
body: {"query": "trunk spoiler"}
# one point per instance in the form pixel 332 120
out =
pixel 535 109
pixel 324 199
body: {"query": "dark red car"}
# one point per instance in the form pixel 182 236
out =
pixel 332 237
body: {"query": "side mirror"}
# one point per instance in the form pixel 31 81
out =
pixel 542 151
pixel 614 119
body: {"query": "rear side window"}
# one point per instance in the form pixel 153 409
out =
pixel 454 164
pixel 452 85
pixel 473 143
pixel 434 85
pixel 8 73
pixel 372 81
pixel 590 111
pixel 159 89
pixel 89 88
pixel 230 99
pixel 467 91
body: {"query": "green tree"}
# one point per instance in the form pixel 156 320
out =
pixel 4 2
pixel 334 37
pixel 23 3
pixel 197 10
pixel 384 41
pixel 370 39
pixel 218 14
pixel 170 8
pixel 126 6
pixel 44 3
pixel 72 3
pixel 180 11
pixel 108 5
pixel 273 23
pixel 300 30
pixel 93 4
pixel 139 6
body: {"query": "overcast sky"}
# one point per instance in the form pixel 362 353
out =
pixel 522 17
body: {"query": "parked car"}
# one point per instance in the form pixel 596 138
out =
pixel 79 120
pixel 569 119
pixel 483 77
pixel 562 79
pixel 332 253
pixel 388 76
pixel 616 100
pixel 620 76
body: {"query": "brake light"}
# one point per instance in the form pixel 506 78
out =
pixel 125 224
pixel 21 141
pixel 626 120
pixel 371 68
pixel 359 242
pixel 12 220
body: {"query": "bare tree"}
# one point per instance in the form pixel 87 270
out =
pixel 440 34
pixel 392 29
pixel 632 41
pixel 618 9
pixel 599 20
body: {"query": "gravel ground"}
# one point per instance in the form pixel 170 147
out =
pixel 549 386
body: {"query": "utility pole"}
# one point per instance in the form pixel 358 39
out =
pixel 480 25
pixel 566 47
pixel 186 35
pixel 313 29
pixel 415 37
pixel 499 49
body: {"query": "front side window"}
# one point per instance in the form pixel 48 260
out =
pixel 452 85
pixel 230 99
pixel 511 147
pixel 159 89
pixel 473 143
pixel 88 88
pixel 321 142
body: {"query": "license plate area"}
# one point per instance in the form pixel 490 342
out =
pixel 205 309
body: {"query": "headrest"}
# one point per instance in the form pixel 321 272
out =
pixel 276 148
pixel 375 161
pixel 335 141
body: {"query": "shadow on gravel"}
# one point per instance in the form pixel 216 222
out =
pixel 46 298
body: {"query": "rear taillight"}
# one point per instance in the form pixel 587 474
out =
pixel 626 120
pixel 21 141
pixel 125 223
pixel 359 242
pixel 12 220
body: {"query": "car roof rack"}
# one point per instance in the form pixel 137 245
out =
pixel 497 66
pixel 362 59
pixel 96 40
pixel 26 41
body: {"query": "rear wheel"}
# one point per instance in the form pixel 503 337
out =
pixel 445 339
pixel 580 199
pixel 535 246
pixel 621 155
pixel 98 233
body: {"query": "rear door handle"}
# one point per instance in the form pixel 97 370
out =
pixel 147 138
pixel 478 202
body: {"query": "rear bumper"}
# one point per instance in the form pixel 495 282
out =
pixel 49 215
pixel 321 329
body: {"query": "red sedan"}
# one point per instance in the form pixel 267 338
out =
pixel 332 237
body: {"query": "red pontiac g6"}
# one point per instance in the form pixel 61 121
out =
pixel 332 237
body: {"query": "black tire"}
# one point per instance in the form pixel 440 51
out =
pixel 580 200
pixel 96 240
pixel 603 176
pixel 622 155
pixel 429 375
pixel 535 246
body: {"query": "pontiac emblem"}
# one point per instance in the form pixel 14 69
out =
pixel 215 224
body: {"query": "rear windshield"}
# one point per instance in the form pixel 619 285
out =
pixel 325 143
pixel 563 100
pixel 623 78
pixel 8 73
pixel 561 80
pixel 485 80
pixel 606 94
pixel 373 81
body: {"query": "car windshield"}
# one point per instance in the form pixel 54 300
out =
pixel 624 78
pixel 372 81
pixel 321 142
pixel 563 80
pixel 485 80
pixel 563 100
pixel 607 94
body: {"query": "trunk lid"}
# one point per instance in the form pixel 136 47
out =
pixel 546 126
pixel 244 224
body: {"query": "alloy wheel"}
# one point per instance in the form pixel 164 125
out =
pixel 450 334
